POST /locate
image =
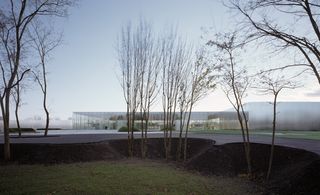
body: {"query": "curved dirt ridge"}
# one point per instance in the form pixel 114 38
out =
pixel 295 171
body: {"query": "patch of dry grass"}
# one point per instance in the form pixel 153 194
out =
pixel 121 177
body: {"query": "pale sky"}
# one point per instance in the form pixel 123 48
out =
pixel 82 73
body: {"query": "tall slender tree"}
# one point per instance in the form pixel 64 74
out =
pixel 274 84
pixel 139 60
pixel 199 81
pixel 234 82
pixel 44 43
pixel 175 60
pixel 15 20
pixel 17 100
pixel 202 80
pixel 148 53
pixel 128 74
pixel 184 103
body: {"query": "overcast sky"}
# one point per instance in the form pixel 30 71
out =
pixel 83 71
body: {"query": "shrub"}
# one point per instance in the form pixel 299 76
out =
pixel 173 129
pixel 16 130
pixel 125 129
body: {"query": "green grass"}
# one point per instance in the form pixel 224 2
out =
pixel 124 177
pixel 125 129
pixel 16 130
pixel 300 134
pixel 314 135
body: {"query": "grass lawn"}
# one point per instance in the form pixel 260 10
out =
pixel 124 177
pixel 314 135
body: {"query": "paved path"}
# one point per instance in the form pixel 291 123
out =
pixel 70 137
pixel 306 144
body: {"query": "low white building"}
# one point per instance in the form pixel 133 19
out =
pixel 290 115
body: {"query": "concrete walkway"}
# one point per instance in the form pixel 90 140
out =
pixel 90 136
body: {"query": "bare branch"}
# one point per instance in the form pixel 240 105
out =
pixel 20 79
pixel 289 37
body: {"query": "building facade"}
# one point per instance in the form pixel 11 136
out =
pixel 290 116
pixel 115 120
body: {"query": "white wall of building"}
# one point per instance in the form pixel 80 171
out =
pixel 290 115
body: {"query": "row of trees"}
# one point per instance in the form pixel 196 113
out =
pixel 259 27
pixel 235 81
pixel 168 67
pixel 185 77
pixel 24 37
pixel 153 65
pixel 290 26
pixel 139 59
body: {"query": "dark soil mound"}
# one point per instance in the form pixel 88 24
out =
pixel 294 171
pixel 107 150
pixel 61 153
pixel 300 178
pixel 155 147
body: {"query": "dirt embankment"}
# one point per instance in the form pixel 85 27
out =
pixel 294 171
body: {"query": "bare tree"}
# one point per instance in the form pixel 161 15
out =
pixel 125 61
pixel 128 58
pixel 150 94
pixel 175 60
pixel 274 84
pixel 15 20
pixel 148 57
pixel 43 42
pixel 184 103
pixel 16 94
pixel 140 62
pixel 9 73
pixel 202 83
pixel 292 26
pixel 234 82
pixel 198 82
pixel 17 100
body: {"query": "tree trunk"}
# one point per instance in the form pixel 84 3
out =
pixel 17 112
pixel 17 120
pixel 133 118
pixel 6 118
pixel 168 134
pixel 180 137
pixel 164 132
pixel 273 135
pixel 247 150
pixel 145 135
pixel 47 121
pixel 128 129
pixel 47 113
pixel 186 135
pixel 245 142
pixel 142 133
